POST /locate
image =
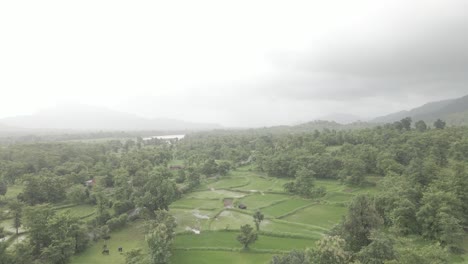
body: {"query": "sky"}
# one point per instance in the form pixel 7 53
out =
pixel 236 63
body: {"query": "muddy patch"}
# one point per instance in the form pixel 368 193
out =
pixel 228 202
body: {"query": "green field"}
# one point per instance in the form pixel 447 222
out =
pixel 290 222
pixel 211 257
pixel 130 237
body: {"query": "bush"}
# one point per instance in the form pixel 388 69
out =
pixel 122 207
pixel 117 222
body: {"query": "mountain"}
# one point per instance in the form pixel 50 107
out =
pixel 453 111
pixel 341 118
pixel 91 118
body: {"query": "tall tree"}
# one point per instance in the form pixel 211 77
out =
pixel 16 211
pixel 258 218
pixel 247 236
pixel 439 124
pixel 406 123
pixel 361 220
pixel 3 187
pixel 421 126
pixel 331 250
pixel 159 191
pixel 159 241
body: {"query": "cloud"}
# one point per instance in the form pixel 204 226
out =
pixel 400 50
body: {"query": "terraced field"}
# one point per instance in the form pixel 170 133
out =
pixel 212 211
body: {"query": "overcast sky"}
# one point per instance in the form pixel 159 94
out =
pixel 237 63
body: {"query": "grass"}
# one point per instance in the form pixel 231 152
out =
pixel 285 207
pixel 230 182
pixel 228 240
pixel 230 220
pixel 197 204
pixel 128 238
pixel 210 257
pixel 216 194
pixel 319 215
pixel 80 211
pixel 291 222
pixel 13 191
pixel 186 218
pixel 259 200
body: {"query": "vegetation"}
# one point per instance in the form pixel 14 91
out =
pixel 396 193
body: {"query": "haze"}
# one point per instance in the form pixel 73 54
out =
pixel 239 63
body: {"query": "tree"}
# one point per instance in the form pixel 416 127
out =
pixel 439 124
pixel 293 257
pixel 258 218
pixel 224 167
pixel 421 126
pixel 134 256
pixel 247 236
pixel 362 218
pixel 433 254
pixel 353 171
pixel 304 184
pixel 159 241
pixel 378 251
pixel 331 250
pixel 3 187
pixel 406 123
pixel 159 191
pixel 77 194
pixel 5 257
pixel 440 216
pixel 16 211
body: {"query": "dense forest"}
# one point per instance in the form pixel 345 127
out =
pixel 422 173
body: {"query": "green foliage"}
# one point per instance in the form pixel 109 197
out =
pixel 54 237
pixel 135 256
pixel 330 250
pixel 258 218
pixel 439 124
pixel 117 222
pixel 433 254
pixel 3 187
pixel 247 236
pixel 16 211
pixel 77 194
pixel 420 126
pixel 361 220
pixel 293 257
pixel 380 250
pixel 159 241
pixel 304 185
pixel 159 191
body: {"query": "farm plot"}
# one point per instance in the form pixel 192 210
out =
pixel 285 207
pixel 318 215
pixel 258 200
pixel 230 182
pixel 214 194
pixel 192 219
pixel 230 220
pixel 228 240
pixel 202 204
pixel 210 257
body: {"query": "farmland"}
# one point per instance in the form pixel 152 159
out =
pixel 290 222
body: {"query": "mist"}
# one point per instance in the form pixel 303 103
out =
pixel 242 64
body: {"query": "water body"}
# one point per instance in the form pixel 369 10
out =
pixel 166 137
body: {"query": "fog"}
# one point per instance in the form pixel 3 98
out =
pixel 237 64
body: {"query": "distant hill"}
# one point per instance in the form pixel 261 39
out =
pixel 90 118
pixel 453 111
pixel 341 118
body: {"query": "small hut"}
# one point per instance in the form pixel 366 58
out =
pixel 242 206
